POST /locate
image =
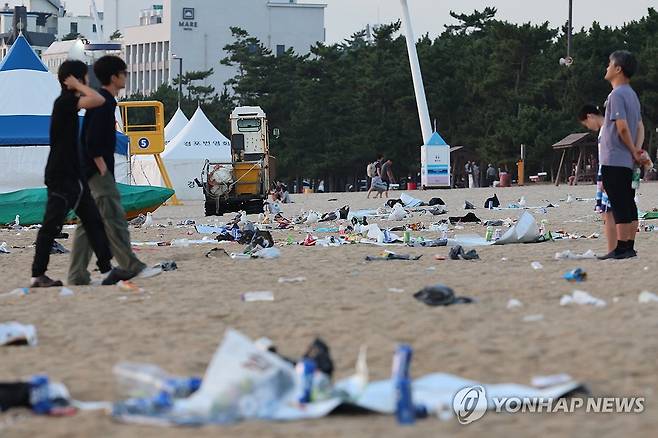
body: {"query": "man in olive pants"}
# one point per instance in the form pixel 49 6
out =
pixel 97 151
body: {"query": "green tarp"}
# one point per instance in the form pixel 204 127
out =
pixel 30 204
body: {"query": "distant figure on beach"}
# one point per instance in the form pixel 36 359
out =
pixel 572 177
pixel 387 175
pixel 374 173
pixel 476 174
pixel 468 173
pixel 491 175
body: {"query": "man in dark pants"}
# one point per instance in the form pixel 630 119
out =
pixel 98 145
pixel 66 190
pixel 621 139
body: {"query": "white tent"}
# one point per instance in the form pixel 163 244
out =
pixel 184 157
pixel 175 125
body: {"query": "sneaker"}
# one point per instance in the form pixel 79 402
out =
pixel 116 275
pixel 628 254
pixel 45 281
pixel 149 272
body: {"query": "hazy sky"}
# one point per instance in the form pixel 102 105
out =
pixel 344 17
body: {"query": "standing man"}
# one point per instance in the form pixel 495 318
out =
pixel 491 175
pixel 387 174
pixel 622 136
pixel 97 151
pixel 468 171
pixel 66 189
pixel 476 174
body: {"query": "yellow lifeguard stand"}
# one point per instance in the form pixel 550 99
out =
pixel 143 123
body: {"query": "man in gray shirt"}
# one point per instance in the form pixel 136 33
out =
pixel 622 136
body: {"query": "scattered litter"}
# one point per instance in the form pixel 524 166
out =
pixel 4 249
pixel 129 286
pixel 58 248
pixel 186 222
pixel 440 295
pixel 410 202
pixel 389 255
pixel 468 218
pixel 468 206
pixel 169 265
pixel 492 202
pixel 436 201
pixel 458 253
pixel 66 292
pixel 19 292
pixel 398 213
pixel 551 380
pixel 577 275
pixel 292 279
pixel 209 229
pixel 429 243
pixel 647 297
pixel 267 253
pixel 257 296
pixel 582 298
pixel 217 253
pixel 569 255
pixel 533 318
pixel 395 290
pixel 536 265
pixel 14 333
pixel 514 304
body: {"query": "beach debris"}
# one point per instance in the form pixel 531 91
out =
pixel 129 286
pixel 570 255
pixel 533 318
pixel 429 243
pixel 468 205
pixel 147 380
pixel 536 266
pixel 66 292
pixel 583 298
pixel 4 249
pixel 18 292
pixel 292 279
pixel 390 255
pixel 395 290
pixel 492 202
pixel 266 253
pixel 58 248
pixel 168 265
pixel 468 218
pixel 513 303
pixel 577 275
pixel 217 253
pixel 522 202
pixel 458 253
pixel 398 213
pixel 440 295
pixel 257 296
pixel 647 297
pixel 550 380
pixel 15 333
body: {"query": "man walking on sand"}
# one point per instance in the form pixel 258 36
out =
pixel 97 151
pixel 66 188
pixel 622 136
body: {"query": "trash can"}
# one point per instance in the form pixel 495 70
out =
pixel 505 180
pixel 412 186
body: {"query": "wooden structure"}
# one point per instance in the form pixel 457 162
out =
pixel 580 141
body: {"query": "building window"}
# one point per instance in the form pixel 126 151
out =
pixel 74 27
pixel 93 28
pixel 280 49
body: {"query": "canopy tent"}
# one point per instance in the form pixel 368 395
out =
pixel 185 156
pixel 27 93
pixel 175 125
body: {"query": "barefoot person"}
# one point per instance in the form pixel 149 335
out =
pixel 592 118
pixel 622 136
pixel 98 144
pixel 67 190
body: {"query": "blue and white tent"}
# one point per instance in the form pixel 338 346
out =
pixel 27 93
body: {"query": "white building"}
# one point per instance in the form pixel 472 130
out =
pixel 198 30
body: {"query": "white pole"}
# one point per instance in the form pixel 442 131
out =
pixel 421 100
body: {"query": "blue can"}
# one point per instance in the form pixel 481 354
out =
pixel 405 411
pixel 305 369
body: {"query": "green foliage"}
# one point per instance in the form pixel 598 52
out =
pixel 491 85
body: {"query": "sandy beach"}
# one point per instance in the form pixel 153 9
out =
pixel 181 317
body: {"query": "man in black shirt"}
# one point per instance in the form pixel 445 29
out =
pixel 98 145
pixel 66 190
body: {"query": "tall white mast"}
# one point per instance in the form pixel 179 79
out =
pixel 419 88
pixel 97 22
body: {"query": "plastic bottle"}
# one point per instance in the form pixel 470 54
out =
pixel 146 380
pixel 19 292
pixel 489 234
pixel 305 369
pixel 405 411
pixel 636 178
pixel 257 296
